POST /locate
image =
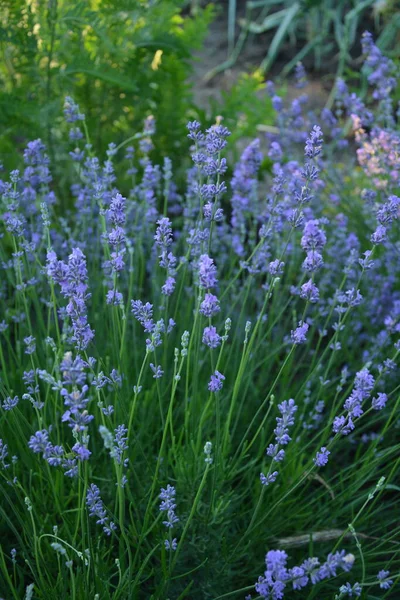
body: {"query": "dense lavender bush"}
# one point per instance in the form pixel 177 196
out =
pixel 193 379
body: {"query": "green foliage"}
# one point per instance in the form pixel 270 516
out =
pixel 319 28
pixel 120 59
pixel 240 115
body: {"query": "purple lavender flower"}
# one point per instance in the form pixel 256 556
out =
pixel 39 441
pixel 287 408
pixel 116 237
pixel 276 267
pixel 309 291
pixel 163 239
pixel 116 212
pixel 157 370
pixel 313 261
pixel 311 567
pixel 3 454
pixel 274 452
pixel 144 314
pixel 215 139
pixel 275 152
pixel 364 382
pixel 71 111
pixel 313 145
pixel 384 581
pixel 169 286
pixel 167 496
pixel 350 298
pixel 81 451
pixel 276 577
pixel 96 509
pixel 30 343
pixel 168 505
pixel 207 272
pixel 267 479
pixel 363 385
pixel 114 297
pixel 321 458
pixel 343 425
pixel 9 403
pixel 389 211
pixel 349 590
pixel 54 455
pixel 314 237
pixel 211 337
pixel 171 545
pixel 277 103
pixel 379 235
pixel 298 577
pixel 70 467
pixel 210 305
pixel 194 131
pixel 366 263
pixel 72 370
pixel 120 445
pixel 212 214
pixel 299 335
pixel 216 382
pixel 382 75
pixel 300 76
pixel 76 401
pixel 380 401
pixel 244 187
pixel 72 278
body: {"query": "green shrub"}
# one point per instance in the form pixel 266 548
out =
pixel 121 59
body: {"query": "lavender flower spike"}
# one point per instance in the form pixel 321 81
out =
pixel 321 458
pixel 207 272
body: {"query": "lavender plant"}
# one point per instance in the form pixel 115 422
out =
pixel 196 377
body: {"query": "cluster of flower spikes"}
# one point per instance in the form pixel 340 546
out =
pixel 378 154
pixel 287 408
pixel 277 576
pixel 379 143
pixel 293 187
pixel 96 195
pixel 147 189
pixel 292 190
pixel 244 200
pixel 344 245
pixel 291 120
pixel 382 76
pixel 25 217
pixel 95 188
pixel 350 104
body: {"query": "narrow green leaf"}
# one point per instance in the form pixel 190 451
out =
pixel 109 76
pixel 279 36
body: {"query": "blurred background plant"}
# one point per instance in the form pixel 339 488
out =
pixel 107 55
pixel 324 32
